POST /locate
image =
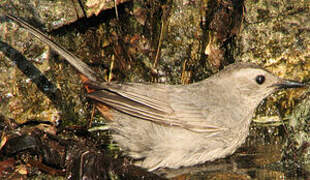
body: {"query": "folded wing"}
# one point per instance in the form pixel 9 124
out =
pixel 154 103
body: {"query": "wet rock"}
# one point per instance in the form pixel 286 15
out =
pixel 276 35
pixel 297 151
pixel 183 37
pixel 53 14
pixel 56 14
pixel 97 6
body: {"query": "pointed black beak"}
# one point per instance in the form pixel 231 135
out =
pixel 285 84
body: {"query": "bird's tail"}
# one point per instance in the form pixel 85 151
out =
pixel 71 58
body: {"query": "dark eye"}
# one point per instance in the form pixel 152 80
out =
pixel 260 79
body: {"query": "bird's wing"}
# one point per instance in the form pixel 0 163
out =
pixel 156 104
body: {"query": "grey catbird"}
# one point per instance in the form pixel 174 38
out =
pixel 171 126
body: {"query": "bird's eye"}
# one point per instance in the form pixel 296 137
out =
pixel 260 79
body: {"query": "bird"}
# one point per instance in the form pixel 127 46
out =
pixel 173 126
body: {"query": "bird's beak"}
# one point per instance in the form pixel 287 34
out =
pixel 285 84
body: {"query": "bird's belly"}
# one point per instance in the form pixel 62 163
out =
pixel 158 146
